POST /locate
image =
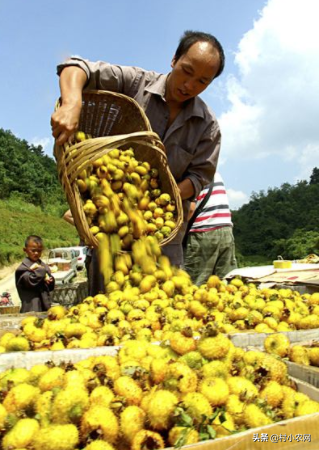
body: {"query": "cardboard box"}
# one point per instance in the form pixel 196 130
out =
pixel 13 321
pixel 251 338
pixel 309 374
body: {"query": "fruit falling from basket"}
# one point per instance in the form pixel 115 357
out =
pixel 123 196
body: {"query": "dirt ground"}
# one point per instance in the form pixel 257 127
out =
pixel 8 270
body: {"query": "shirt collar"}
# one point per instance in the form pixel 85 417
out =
pixel 194 107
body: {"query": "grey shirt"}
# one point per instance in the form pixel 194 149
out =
pixel 192 141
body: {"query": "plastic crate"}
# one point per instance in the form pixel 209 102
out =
pixel 70 294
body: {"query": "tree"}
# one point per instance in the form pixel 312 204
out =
pixel 314 178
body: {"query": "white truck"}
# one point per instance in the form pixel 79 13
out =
pixel 63 265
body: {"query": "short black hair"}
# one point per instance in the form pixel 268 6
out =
pixel 191 37
pixel 34 238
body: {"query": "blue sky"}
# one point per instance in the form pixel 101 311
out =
pixel 266 100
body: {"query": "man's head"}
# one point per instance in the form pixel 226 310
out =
pixel 199 59
pixel 190 38
pixel 33 247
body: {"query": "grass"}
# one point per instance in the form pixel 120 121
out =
pixel 19 219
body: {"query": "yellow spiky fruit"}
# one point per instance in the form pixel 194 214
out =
pixel 254 417
pixel 17 344
pixel 180 377
pixel 182 342
pixel 272 394
pixel 278 344
pixel 54 377
pixel 215 347
pixel 276 369
pixel 21 398
pixel 21 435
pixel 129 389
pixel 69 405
pixel 56 437
pixel 5 338
pixel 215 368
pixel 242 387
pixel 236 408
pixel 160 408
pixel 180 436
pixel 292 400
pixel 13 377
pixel 43 407
pixel 313 353
pixel 299 355
pixel 3 414
pixel 307 407
pixel 100 418
pixel 224 428
pixel 147 440
pixel 99 445
pixel 132 421
pixel 101 395
pixel 196 406
pixel 106 365
pixel 215 390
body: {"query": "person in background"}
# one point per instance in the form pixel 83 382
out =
pixel 185 124
pixel 210 245
pixel 67 216
pixel 33 278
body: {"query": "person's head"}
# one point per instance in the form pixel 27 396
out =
pixel 33 247
pixel 199 59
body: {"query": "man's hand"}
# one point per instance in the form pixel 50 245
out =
pixel 34 266
pixel 65 122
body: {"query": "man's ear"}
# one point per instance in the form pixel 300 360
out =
pixel 173 62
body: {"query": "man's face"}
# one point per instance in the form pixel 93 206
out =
pixel 192 73
pixel 33 250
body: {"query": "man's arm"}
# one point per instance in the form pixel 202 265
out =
pixel 186 189
pixel 68 217
pixel 65 120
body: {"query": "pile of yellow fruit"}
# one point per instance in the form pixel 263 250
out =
pixel 123 196
pixel 149 300
pixel 280 345
pixel 147 397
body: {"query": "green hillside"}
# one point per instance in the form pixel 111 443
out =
pixel 19 219
pixel 31 199
pixel 282 221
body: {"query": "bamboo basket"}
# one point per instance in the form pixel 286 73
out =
pixel 114 121
pixel 9 309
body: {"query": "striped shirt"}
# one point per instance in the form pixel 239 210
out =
pixel 216 212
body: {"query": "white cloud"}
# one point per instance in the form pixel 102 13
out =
pixel 46 143
pixel 309 154
pixel 236 198
pixel 274 101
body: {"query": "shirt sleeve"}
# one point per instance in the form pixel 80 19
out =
pixel 32 278
pixel 202 168
pixel 102 75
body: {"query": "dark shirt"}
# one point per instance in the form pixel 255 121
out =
pixel 34 292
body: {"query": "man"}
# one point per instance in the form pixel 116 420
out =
pixel 188 129
pixel 210 248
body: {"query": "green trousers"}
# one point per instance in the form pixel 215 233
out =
pixel 210 253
